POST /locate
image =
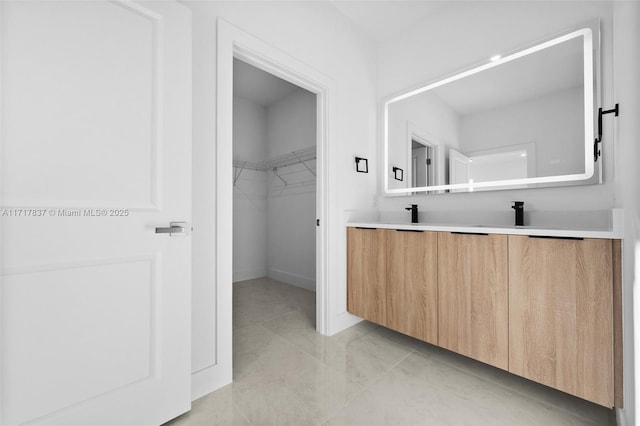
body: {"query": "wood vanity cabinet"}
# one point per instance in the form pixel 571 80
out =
pixel 366 274
pixel 561 314
pixel 545 308
pixel 412 291
pixel 473 296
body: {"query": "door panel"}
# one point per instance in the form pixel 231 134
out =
pixel 561 314
pixel 95 155
pixel 42 320
pixel 101 67
pixel 458 169
pixel 412 284
pixel 366 282
pixel 473 296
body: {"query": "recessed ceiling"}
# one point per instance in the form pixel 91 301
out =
pixel 259 86
pixel 382 20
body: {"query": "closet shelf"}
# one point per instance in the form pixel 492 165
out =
pixel 261 167
pixel 294 157
pixel 300 156
pixel 293 185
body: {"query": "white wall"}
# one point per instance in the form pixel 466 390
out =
pixel 627 130
pixel 291 123
pixel 274 225
pixel 468 33
pixel 250 191
pixel 431 118
pixel 555 143
pixel 316 34
pixel 491 167
pixel 291 228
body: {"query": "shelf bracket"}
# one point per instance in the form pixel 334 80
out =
pixel 275 171
pixel 304 163
pixel 238 173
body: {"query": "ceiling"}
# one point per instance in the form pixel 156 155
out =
pixel 259 86
pixel 551 70
pixel 381 20
pixel 384 19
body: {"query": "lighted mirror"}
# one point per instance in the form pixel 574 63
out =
pixel 521 120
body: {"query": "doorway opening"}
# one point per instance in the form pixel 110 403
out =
pixel 234 43
pixel 423 163
pixel 274 197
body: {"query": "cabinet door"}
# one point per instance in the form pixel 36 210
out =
pixel 561 314
pixel 366 283
pixel 412 289
pixel 473 296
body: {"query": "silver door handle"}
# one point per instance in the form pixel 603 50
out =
pixel 175 228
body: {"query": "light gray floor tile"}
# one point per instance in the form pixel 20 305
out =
pixel 277 383
pixel 365 359
pixel 258 300
pixel 571 404
pixel 424 391
pixel 217 408
pixel 299 329
pixel 285 373
pixel 300 390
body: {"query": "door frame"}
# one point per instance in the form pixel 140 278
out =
pixel 234 42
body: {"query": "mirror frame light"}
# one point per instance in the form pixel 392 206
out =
pixel 589 110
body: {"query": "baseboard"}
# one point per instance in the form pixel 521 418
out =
pixel 293 279
pixel 621 419
pixel 244 274
pixel 342 322
pixel 207 380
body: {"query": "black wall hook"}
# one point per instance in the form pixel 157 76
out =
pixel 596 148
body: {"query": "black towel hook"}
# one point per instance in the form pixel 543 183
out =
pixel 596 148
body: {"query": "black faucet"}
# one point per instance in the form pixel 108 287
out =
pixel 414 212
pixel 518 206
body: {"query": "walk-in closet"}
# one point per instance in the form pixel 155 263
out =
pixel 274 197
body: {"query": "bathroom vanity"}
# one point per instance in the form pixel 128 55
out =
pixel 543 304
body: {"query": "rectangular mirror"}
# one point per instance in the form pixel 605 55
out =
pixel 522 120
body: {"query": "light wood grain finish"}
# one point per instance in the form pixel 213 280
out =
pixel 366 282
pixel 473 296
pixel 561 314
pixel 412 286
pixel 617 325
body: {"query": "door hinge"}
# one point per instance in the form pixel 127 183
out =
pixel 317 222
pixel 428 161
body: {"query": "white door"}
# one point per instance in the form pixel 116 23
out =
pixel 458 169
pixel 95 121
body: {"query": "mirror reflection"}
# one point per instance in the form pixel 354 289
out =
pixel 522 121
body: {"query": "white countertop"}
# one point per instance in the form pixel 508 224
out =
pixel 488 229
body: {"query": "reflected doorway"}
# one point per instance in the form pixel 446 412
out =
pixel 423 171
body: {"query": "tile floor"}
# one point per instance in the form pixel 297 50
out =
pixel 287 374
